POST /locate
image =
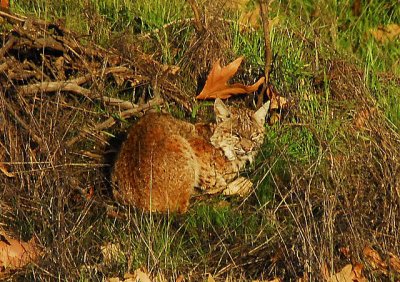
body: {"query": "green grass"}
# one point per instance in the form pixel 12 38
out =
pixel 296 175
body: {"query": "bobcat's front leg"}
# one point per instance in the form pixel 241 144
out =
pixel 240 186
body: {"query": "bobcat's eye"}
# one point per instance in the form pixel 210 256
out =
pixel 255 137
pixel 236 136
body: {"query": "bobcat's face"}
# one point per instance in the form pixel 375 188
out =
pixel 239 132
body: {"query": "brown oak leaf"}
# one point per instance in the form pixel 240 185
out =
pixel 14 253
pixel 217 82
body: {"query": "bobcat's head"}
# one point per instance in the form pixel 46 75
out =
pixel 239 132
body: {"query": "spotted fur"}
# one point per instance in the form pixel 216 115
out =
pixel 164 158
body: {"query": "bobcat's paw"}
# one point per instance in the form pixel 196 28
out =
pixel 240 186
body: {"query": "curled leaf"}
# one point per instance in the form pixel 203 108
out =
pixel 349 273
pixel 374 259
pixel 16 254
pixel 217 82
pixel 394 262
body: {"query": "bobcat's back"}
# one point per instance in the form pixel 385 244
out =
pixel 156 168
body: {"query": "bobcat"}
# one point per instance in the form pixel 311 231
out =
pixel 164 158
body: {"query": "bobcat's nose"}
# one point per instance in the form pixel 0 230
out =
pixel 246 144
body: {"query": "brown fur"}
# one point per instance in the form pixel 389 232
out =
pixel 164 158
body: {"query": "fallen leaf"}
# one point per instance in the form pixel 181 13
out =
pixel 180 278
pixel 210 278
pixel 137 276
pixel 385 34
pixel 374 259
pixel 394 262
pixel 277 101
pixel 5 4
pixel 251 18
pixel 170 69
pixel 217 82
pixel 349 273
pixel 273 280
pixel 325 271
pixel 357 269
pixel 277 104
pixel 249 12
pixel 236 5
pixel 16 254
pixel 90 192
pixel 274 118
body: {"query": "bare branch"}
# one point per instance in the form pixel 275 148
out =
pixel 111 121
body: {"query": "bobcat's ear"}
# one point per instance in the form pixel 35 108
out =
pixel 221 111
pixel 259 116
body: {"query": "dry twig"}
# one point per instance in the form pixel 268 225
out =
pixel 268 52
pixel 197 16
pixel 111 121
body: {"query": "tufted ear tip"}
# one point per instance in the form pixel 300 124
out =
pixel 260 115
pixel 221 110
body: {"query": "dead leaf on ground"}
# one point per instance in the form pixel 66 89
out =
pixel 138 275
pixel 277 104
pixel 249 13
pixel 277 101
pixel 15 254
pixel 217 82
pixel 252 19
pixel 210 278
pixel 374 259
pixel 349 273
pixel 273 280
pixel 394 262
pixel 180 278
pixel 385 34
pixel 377 263
pixel 5 4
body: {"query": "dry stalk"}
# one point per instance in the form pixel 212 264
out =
pixel 21 122
pixel 197 16
pixel 10 43
pixel 268 52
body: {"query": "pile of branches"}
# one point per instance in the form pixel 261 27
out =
pixel 39 58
